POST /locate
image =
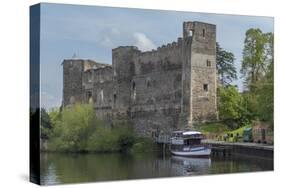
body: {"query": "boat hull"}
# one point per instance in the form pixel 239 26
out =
pixel 195 153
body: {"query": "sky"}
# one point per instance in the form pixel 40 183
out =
pixel 91 32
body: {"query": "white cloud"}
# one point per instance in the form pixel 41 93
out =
pixel 107 42
pixel 143 42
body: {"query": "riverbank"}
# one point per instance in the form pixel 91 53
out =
pixel 244 148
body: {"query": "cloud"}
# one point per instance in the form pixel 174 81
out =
pixel 109 37
pixel 107 42
pixel 143 42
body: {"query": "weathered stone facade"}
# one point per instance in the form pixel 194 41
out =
pixel 159 90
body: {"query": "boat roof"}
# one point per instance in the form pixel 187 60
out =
pixel 191 132
pixel 188 132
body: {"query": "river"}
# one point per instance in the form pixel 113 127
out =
pixel 77 168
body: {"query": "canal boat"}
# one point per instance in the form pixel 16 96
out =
pixel 188 143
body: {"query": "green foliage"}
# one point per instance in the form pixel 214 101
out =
pixel 143 145
pixel 225 65
pixel 77 129
pixel 213 127
pixel 72 131
pixel 265 97
pixel 230 103
pixel 257 69
pixel 111 140
pixel 257 54
pixel 54 115
pixel 235 109
pixel 45 125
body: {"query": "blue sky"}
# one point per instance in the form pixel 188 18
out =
pixel 91 32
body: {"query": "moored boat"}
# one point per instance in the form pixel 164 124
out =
pixel 188 143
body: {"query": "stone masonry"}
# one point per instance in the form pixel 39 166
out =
pixel 161 90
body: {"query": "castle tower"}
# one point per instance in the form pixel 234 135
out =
pixel 199 72
pixel 123 70
pixel 72 81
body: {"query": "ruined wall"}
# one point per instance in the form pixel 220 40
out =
pixel 97 85
pixel 156 90
pixel 87 81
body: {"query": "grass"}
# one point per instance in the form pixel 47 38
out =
pixel 237 132
pixel 214 127
pixel 217 131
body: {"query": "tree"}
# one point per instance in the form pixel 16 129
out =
pixel 73 127
pixel 230 103
pixel 265 98
pixel 257 54
pixel 257 69
pixel 225 66
pixel 234 107
pixel 45 125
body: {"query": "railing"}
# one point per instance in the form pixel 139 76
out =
pixel 163 139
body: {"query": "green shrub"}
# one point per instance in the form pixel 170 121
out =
pixel 72 131
pixel 142 145
pixel 111 140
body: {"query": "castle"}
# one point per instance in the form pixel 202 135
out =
pixel 160 90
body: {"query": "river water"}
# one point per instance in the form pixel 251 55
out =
pixel 77 168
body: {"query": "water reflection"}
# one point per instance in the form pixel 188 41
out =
pixel 76 168
pixel 191 166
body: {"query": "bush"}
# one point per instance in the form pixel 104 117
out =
pixel 111 140
pixel 142 145
pixel 73 129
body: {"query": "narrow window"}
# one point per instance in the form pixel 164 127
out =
pixel 203 32
pixel 114 98
pixel 190 33
pixel 134 90
pixel 148 82
pixel 101 95
pixel 89 97
pixel 205 87
pixel 90 76
pixel 208 63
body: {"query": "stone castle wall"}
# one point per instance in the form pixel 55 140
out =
pixel 159 90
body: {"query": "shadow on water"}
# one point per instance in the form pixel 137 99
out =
pixel 59 168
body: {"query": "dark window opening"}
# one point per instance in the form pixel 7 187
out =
pixel 89 97
pixel 205 87
pixel 114 98
pixel 134 90
pixel 148 83
pixel 208 63
pixel 204 33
